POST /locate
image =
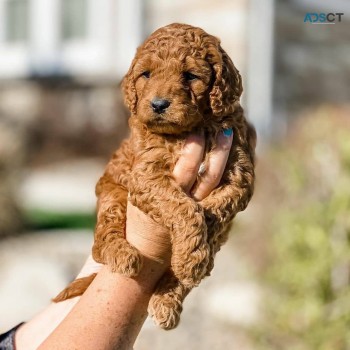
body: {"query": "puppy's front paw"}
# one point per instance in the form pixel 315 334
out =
pixel 123 258
pixel 165 310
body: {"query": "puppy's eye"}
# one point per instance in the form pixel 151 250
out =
pixel 146 74
pixel 189 76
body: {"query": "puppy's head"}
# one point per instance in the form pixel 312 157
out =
pixel 179 76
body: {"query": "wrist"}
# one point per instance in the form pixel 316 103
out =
pixel 150 238
pixel 150 274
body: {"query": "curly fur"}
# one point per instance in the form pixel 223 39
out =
pixel 143 165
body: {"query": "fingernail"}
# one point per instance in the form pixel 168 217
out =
pixel 228 132
pixel 202 169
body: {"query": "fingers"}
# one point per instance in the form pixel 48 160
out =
pixel 215 166
pixel 186 169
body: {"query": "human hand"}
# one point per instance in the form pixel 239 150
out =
pixel 187 168
pixel 150 238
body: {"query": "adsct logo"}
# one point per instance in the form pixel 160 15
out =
pixel 323 18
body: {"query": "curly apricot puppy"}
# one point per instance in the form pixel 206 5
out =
pixel 180 81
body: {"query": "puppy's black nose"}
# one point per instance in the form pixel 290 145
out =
pixel 159 105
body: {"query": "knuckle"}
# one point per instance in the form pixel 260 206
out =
pixel 224 143
pixel 226 146
pixel 185 169
pixel 186 150
pixel 191 169
pixel 212 179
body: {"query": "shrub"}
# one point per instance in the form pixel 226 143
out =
pixel 308 277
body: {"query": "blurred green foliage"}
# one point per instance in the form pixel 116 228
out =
pixel 44 220
pixel 308 276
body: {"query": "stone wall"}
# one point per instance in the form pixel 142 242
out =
pixel 65 118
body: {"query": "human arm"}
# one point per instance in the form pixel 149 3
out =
pixel 111 312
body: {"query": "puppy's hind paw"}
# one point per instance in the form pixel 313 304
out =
pixel 165 311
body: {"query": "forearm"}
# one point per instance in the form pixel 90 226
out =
pixel 110 314
pixel 31 334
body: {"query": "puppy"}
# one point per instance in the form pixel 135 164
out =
pixel 181 81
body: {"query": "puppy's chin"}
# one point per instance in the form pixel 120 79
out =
pixel 162 124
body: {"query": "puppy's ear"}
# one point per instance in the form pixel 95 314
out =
pixel 227 86
pixel 129 89
pixel 252 137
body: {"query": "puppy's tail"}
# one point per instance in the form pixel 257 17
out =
pixel 76 288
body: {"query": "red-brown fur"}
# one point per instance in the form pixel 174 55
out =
pixel 143 165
